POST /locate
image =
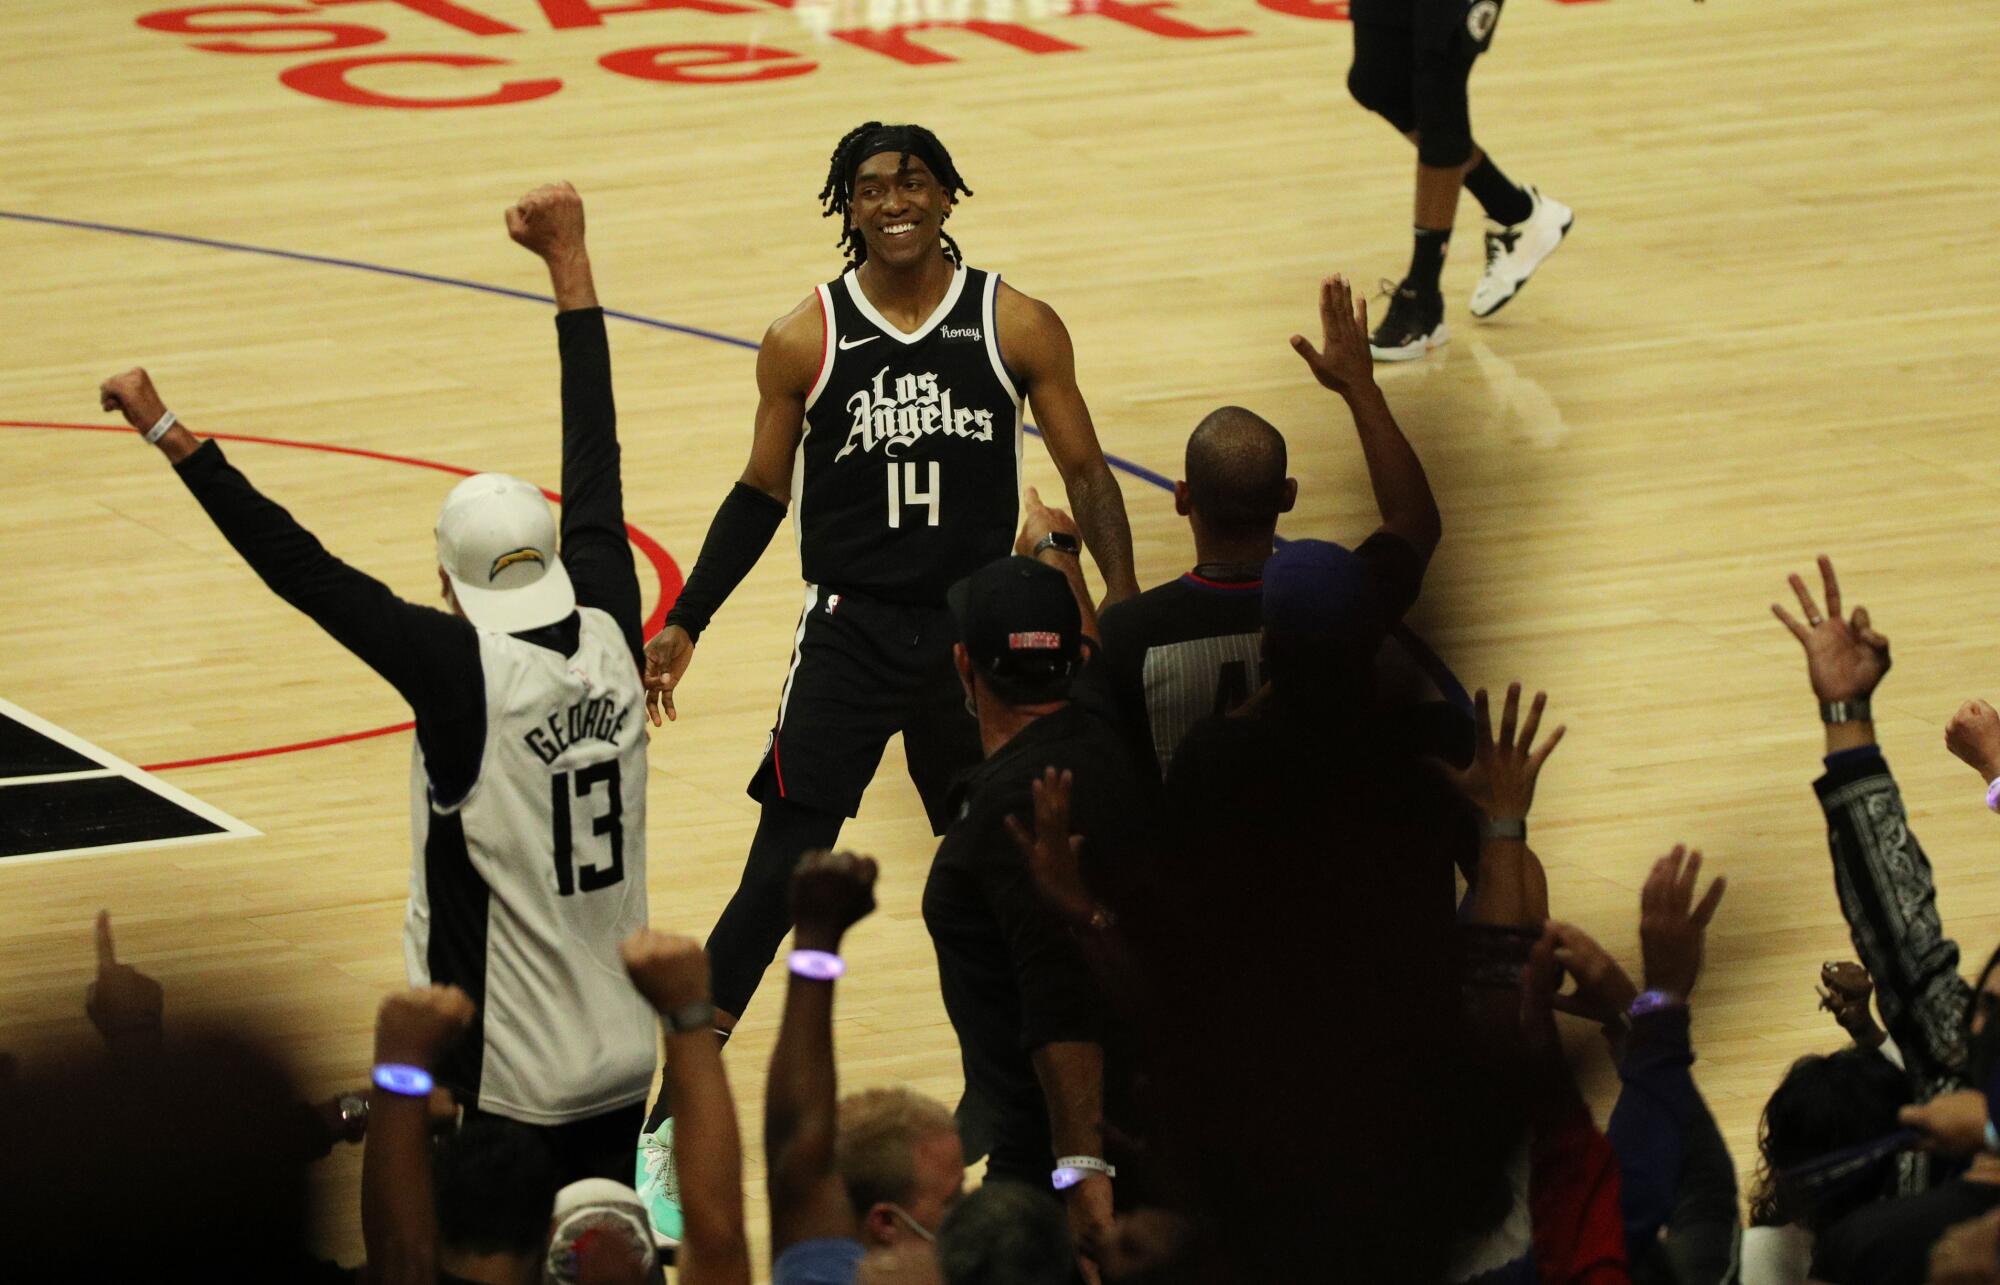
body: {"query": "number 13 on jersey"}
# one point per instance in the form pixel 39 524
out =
pixel 907 490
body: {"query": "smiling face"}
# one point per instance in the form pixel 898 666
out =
pixel 898 207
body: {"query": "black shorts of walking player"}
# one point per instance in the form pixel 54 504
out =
pixel 862 670
pixel 1412 59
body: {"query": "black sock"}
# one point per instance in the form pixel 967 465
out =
pixel 1503 202
pixel 1427 260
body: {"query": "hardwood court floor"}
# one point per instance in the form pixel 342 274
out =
pixel 1770 334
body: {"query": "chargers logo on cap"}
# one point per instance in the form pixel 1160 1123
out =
pixel 506 560
pixel 1036 640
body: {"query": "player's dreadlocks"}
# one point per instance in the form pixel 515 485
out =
pixel 866 140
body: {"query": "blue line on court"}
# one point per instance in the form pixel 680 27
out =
pixel 1139 471
pixel 1440 674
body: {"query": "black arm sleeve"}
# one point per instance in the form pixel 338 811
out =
pixel 742 528
pixel 595 551
pixel 431 658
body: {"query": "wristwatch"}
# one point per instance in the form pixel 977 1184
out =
pixel 1061 542
pixel 1854 711
pixel 353 1116
pixel 698 1016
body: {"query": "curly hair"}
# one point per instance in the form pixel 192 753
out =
pixel 1825 1103
pixel 869 139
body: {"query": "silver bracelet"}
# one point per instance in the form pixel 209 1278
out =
pixel 1855 711
pixel 1504 828
pixel 159 430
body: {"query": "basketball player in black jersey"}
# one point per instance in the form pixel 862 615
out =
pixel 889 423
pixel 1412 62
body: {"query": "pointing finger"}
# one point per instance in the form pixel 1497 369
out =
pixel 1805 600
pixel 1710 900
pixel 1832 584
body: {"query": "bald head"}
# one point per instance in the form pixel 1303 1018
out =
pixel 1236 471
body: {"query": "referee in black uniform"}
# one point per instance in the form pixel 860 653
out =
pixel 1194 647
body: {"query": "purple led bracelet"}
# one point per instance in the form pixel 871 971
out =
pixel 400 1078
pixel 1066 1177
pixel 1993 795
pixel 816 965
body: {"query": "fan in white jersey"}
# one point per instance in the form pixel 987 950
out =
pixel 528 775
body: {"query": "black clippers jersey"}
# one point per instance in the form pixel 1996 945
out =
pixel 909 472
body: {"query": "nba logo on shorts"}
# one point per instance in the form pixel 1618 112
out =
pixel 1479 19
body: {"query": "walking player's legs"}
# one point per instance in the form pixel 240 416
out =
pixel 1415 77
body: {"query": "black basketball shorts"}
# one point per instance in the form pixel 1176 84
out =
pixel 1412 59
pixel 862 670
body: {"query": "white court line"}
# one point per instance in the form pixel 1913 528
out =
pixel 231 828
pixel 51 778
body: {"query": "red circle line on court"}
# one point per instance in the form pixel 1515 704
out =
pixel 664 566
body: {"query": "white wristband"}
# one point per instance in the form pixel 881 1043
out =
pixel 1071 1170
pixel 159 430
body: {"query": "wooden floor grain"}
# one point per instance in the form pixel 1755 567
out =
pixel 1770 334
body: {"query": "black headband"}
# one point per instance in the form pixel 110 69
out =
pixel 904 140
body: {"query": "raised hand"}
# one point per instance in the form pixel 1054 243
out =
pixel 132 395
pixel 123 1002
pixel 1973 737
pixel 831 892
pixel 1344 365
pixel 548 221
pixel 1038 520
pixel 671 972
pixel 1505 768
pixel 1603 989
pixel 1673 927
pixel 1845 658
pixel 1052 852
pixel 667 655
pixel 1951 1123
pixel 416 1026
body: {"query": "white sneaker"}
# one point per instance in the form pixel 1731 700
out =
pixel 658 1184
pixel 1513 253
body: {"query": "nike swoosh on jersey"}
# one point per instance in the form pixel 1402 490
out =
pixel 845 345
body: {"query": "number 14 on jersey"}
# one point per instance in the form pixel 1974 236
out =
pixel 908 489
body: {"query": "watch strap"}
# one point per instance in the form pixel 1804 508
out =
pixel 698 1016
pixel 1854 711
pixel 1061 542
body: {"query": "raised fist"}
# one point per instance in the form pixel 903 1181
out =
pixel 831 891
pixel 1973 736
pixel 549 221
pixel 131 395
pixel 671 972
pixel 416 1026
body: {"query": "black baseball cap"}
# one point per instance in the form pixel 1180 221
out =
pixel 1020 624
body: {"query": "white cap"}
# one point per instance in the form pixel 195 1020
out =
pixel 496 540
pixel 599 1205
